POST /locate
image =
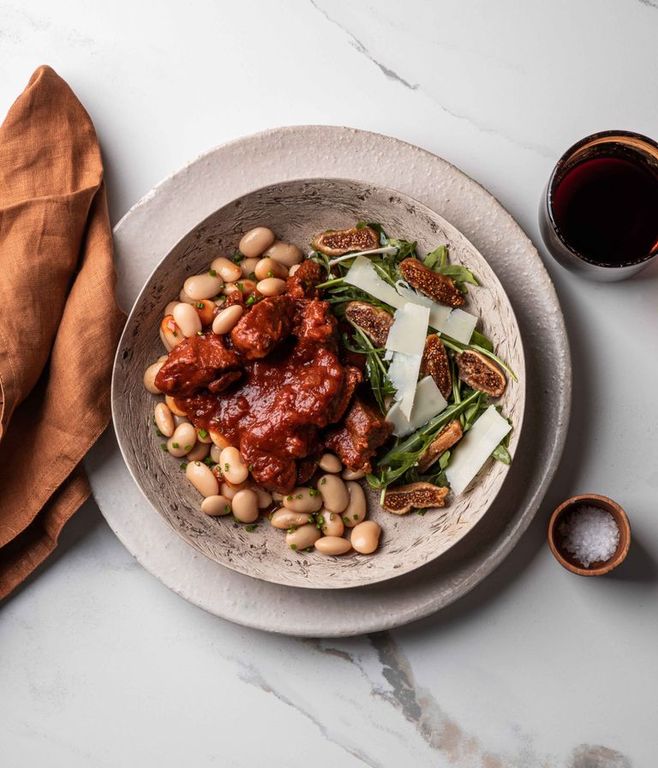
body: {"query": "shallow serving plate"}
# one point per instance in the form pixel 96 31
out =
pixel 296 210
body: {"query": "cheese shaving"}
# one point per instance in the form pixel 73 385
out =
pixel 475 448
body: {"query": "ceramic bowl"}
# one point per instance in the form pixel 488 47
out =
pixel 296 210
pixel 565 558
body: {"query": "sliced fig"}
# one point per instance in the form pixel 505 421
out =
pixel 435 364
pixel 402 500
pixel 447 437
pixel 439 287
pixel 375 322
pixel 338 242
pixel 481 373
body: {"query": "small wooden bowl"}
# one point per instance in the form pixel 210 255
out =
pixel 566 559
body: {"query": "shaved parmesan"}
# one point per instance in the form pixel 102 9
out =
pixel 438 313
pixel 428 402
pixel 409 329
pixel 459 326
pixel 403 375
pixel 475 448
pixel 406 339
pixel 363 275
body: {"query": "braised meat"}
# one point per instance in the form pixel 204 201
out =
pixel 198 362
pixel 302 284
pixel 314 322
pixel 267 324
pixel 363 431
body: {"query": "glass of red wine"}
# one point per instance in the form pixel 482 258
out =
pixel 599 213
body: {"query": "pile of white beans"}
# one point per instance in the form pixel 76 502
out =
pixel 317 516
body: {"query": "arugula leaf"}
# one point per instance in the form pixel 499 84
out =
pixel 501 453
pixel 438 261
pixel 482 341
pixel 376 369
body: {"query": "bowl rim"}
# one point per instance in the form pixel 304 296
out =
pixel 602 502
pixel 423 208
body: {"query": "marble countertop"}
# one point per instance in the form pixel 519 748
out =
pixel 101 665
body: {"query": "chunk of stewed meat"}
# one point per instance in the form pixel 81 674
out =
pixel 362 433
pixel 302 284
pixel 198 362
pixel 267 324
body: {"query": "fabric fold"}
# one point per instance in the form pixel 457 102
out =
pixel 59 322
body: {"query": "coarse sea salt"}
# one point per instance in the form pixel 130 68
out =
pixel 590 534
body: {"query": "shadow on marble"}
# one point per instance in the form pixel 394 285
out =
pixel 639 566
pixel 85 521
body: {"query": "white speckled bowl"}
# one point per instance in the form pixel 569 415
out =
pixel 296 210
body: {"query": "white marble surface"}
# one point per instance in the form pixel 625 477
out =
pixel 100 665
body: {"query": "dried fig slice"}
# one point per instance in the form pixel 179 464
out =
pixel 447 437
pixel 439 287
pixel 435 364
pixel 338 242
pixel 479 372
pixel 375 322
pixel 402 500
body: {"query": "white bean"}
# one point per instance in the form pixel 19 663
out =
pixel 303 537
pixel 365 537
pixel 245 506
pixel 149 376
pixel 182 441
pixel 171 404
pixel 170 334
pixel 203 436
pixel 233 466
pixel 329 462
pixel 248 266
pixel 216 506
pixel 185 297
pixel 264 497
pixel 169 309
pixel 228 270
pixel 271 286
pixel 331 523
pixel 229 490
pixel 202 478
pixel 356 509
pixel 333 490
pixel 353 474
pixel 198 453
pixel 270 268
pixel 256 241
pixel 164 419
pixel 333 545
pixel 284 253
pixel 303 500
pixel 226 319
pixel 214 453
pixel 286 518
pixel 218 439
pixel 203 286
pixel 187 319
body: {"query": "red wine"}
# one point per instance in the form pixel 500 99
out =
pixel 606 208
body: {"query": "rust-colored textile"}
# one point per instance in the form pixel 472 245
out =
pixel 59 322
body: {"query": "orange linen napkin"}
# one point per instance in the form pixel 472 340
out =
pixel 59 322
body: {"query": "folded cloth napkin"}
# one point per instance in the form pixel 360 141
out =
pixel 59 322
